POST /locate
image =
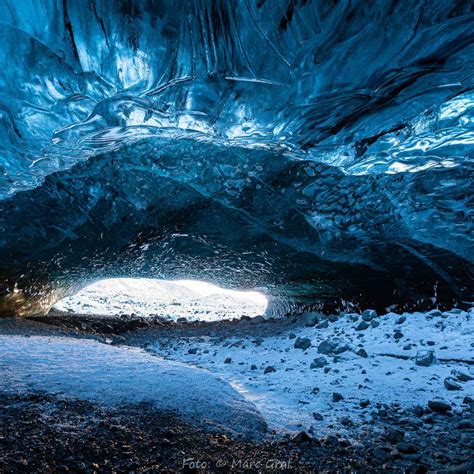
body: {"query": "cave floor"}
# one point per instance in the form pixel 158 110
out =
pixel 362 393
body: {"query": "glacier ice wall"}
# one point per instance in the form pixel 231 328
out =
pixel 321 150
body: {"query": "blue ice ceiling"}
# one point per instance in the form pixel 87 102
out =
pixel 321 150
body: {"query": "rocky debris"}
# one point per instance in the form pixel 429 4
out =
pixel 394 436
pixel 439 406
pixel 451 384
pixel 425 358
pixel 333 346
pixel 337 397
pixel 407 448
pixel 302 343
pixel 269 369
pixel 318 363
pixel 461 376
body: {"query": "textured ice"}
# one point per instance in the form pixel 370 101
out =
pixel 321 150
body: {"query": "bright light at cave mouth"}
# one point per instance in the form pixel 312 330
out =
pixel 191 299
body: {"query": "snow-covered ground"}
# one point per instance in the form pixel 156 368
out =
pixel 310 372
pixel 289 396
pixel 111 375
pixel 194 300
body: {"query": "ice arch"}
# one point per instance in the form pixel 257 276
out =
pixel 321 150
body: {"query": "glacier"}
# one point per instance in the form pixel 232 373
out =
pixel 319 151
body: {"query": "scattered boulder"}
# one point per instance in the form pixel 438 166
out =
pixel 461 376
pixel 397 335
pixel 418 411
pixel 301 437
pixel 317 416
pixel 302 343
pixel 362 353
pixel 362 326
pixel 425 358
pixel 439 406
pixel 369 314
pixel 337 397
pixel 318 363
pixel 333 346
pixel 451 384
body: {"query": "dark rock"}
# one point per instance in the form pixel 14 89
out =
pixel 333 346
pixel 364 403
pixel 418 411
pixel 362 353
pixel 362 326
pixel 451 384
pixel 317 416
pixel 461 376
pixel 394 436
pixel 253 367
pixel 228 360
pixel 337 397
pixel 269 369
pixel 301 437
pixel 407 448
pixel 465 425
pixel 401 319
pixel 374 324
pixel 302 343
pixel 382 453
pixel 425 358
pixel 397 335
pixel 323 325
pixel 193 350
pixel 369 314
pixel 346 421
pixel 439 406
pixel 318 363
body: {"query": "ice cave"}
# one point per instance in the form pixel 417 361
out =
pixel 236 236
pixel 321 151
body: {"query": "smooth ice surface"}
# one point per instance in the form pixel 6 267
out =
pixel 321 150
pixel 120 375
pixel 194 300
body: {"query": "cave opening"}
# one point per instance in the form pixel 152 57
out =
pixel 172 300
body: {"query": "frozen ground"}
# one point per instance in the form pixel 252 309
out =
pixel 91 370
pixel 194 300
